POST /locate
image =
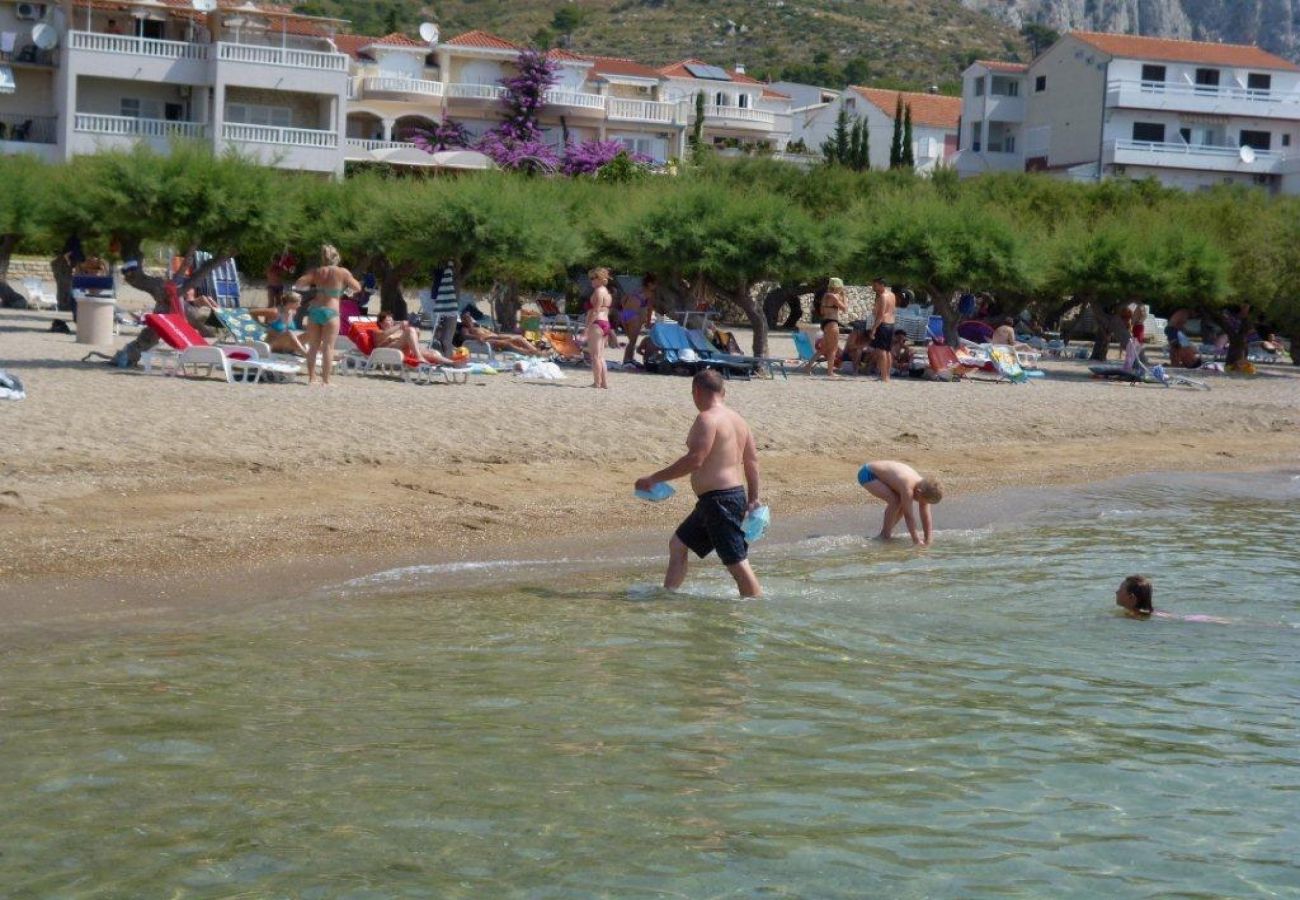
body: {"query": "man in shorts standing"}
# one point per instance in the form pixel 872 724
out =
pixel 882 327
pixel 722 460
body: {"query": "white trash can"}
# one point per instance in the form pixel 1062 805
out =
pixel 95 320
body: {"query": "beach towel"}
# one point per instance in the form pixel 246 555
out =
pixel 11 387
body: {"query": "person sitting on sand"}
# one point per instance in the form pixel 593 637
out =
pixel 901 355
pixel 279 320
pixel 899 485
pixel 406 337
pixel 1181 352
pixel 1134 597
pixel 858 347
pixel 472 331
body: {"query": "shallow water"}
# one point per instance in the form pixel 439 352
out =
pixel 974 720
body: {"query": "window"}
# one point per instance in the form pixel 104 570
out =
pixel 135 108
pixel 1009 143
pixel 1259 140
pixel 1260 82
pixel 743 101
pixel 719 99
pixel 250 114
pixel 153 29
pixel 1149 132
pixel 1005 87
pixel 975 129
pixel 1153 74
pixel 979 87
pixel 1040 84
pixel 850 103
pixel 1013 88
pixel 174 112
pixel 1286 140
pixel 1185 134
pixel 1207 81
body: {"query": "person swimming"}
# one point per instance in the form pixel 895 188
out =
pixel 1135 595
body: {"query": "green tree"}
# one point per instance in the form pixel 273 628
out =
pixel 896 142
pixel 697 130
pixel 1039 36
pixel 855 144
pixel 567 19
pixel 23 183
pixel 908 151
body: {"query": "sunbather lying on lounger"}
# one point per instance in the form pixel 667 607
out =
pixel 406 337
pixel 512 342
pixel 279 321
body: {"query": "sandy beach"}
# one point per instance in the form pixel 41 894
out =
pixel 119 485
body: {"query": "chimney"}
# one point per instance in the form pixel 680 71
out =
pixel 740 68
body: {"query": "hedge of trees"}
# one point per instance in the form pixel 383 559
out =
pixel 713 232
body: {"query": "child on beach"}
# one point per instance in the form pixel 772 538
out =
pixel 899 485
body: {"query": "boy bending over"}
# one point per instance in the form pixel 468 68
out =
pixel 901 486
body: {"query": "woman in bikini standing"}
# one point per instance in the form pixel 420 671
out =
pixel 331 282
pixel 636 312
pixel 829 307
pixel 598 325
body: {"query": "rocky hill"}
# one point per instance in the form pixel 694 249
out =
pixel 907 42
pixel 1273 24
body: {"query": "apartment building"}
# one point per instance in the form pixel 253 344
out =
pixel 88 76
pixel 935 122
pixel 739 110
pixel 1189 114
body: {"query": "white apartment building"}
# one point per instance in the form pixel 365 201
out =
pixel 739 110
pixel 398 84
pixel 1187 113
pixel 84 76
pixel 935 123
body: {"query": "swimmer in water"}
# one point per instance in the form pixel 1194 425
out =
pixel 900 486
pixel 1134 597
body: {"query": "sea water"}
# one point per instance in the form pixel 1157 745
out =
pixel 973 720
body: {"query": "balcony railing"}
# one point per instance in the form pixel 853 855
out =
pixel 1175 89
pixel 642 110
pixel 129 126
pixel 29 129
pixel 739 114
pixel 286 137
pixel 574 99
pixel 476 91
pixel 260 55
pixel 385 84
pixel 1192 156
pixel 373 146
pixel 124 45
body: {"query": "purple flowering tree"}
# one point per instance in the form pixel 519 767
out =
pixel 448 135
pixel 590 157
pixel 516 143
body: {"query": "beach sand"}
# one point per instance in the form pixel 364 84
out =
pixel 124 493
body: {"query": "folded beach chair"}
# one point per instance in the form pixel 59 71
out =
pixel 195 352
pixel 808 355
pixel 746 365
pixel 944 365
pixel 565 346
pixel 1006 365
pixel 1135 370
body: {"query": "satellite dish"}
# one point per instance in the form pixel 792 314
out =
pixel 45 36
pixel 204 6
pixel 429 33
pixel 1247 155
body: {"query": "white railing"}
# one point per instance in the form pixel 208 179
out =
pixel 1176 89
pixel 739 114
pixel 128 126
pixel 476 91
pixel 1180 149
pixel 574 98
pixel 387 84
pixel 371 146
pixel 641 110
pixel 135 46
pixel 288 137
pixel 281 56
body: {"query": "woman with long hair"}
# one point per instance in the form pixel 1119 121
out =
pixel 598 327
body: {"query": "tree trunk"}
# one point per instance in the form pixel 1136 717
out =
pixel 781 296
pixel 391 299
pixel 9 298
pixel 61 269
pixel 506 309
pixel 1109 326
pixel 1295 347
pixel 943 307
pixel 743 297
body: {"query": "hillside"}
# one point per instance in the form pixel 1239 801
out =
pixel 908 42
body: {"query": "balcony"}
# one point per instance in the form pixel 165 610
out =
pixel 576 102
pixel 1190 156
pixel 285 57
pixel 1205 99
pixel 138 58
pixel 642 111
pixel 384 86
pixel 23 129
pixel 1000 108
pixel 738 117
pixel 490 92
pixel 130 126
pixel 284 137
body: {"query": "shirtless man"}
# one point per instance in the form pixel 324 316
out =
pixel 720 457
pixel 882 327
pixel 899 485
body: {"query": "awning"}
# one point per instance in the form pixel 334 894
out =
pixel 7 83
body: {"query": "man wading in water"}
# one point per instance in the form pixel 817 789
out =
pixel 720 458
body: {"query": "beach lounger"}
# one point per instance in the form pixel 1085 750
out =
pixel 1134 370
pixel 565 346
pixel 1006 365
pixel 753 364
pixel 671 353
pixel 373 360
pixel 195 352
pixel 944 364
pixel 806 348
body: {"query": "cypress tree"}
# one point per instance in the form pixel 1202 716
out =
pixel 697 134
pixel 855 145
pixel 863 162
pixel 842 137
pixel 896 143
pixel 909 154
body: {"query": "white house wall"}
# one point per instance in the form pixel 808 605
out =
pixel 1072 104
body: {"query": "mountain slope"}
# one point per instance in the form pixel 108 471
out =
pixel 1273 24
pixel 915 42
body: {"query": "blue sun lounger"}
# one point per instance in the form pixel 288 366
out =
pixel 705 348
pixel 672 353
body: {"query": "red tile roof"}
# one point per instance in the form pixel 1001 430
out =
pixel 933 110
pixel 998 65
pixel 483 39
pixel 566 56
pixel 774 95
pixel 1130 46
pixel 352 44
pixel 679 70
pixel 615 65
pixel 398 40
